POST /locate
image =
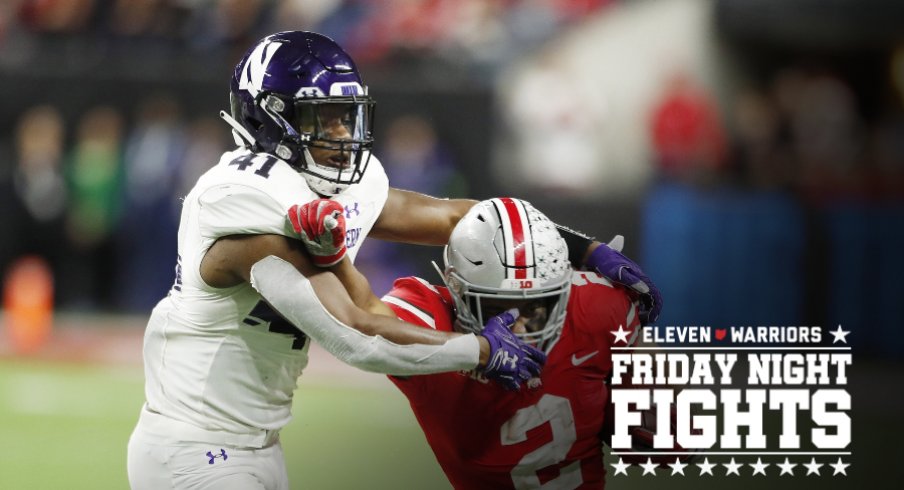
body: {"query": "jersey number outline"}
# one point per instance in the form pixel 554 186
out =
pixel 556 411
pixel 581 278
pixel 266 163
pixel 264 313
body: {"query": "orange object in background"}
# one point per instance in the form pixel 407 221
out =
pixel 28 304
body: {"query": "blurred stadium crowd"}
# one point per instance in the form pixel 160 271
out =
pixel 758 173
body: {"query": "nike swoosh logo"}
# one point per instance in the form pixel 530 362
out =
pixel 474 262
pixel 577 361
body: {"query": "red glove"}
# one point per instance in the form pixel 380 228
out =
pixel 321 224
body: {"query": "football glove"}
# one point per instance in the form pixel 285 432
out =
pixel 321 225
pixel 511 361
pixel 609 261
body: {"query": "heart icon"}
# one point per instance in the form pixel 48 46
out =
pixel 720 333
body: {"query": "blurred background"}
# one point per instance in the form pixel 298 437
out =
pixel 750 151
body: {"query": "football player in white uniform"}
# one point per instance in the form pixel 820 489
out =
pixel 224 349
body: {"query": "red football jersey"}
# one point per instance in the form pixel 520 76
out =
pixel 487 437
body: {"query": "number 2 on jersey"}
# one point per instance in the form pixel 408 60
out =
pixel 556 411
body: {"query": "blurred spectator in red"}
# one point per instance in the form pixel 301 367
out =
pixel 95 183
pixel 55 16
pixel 687 135
pixel 373 30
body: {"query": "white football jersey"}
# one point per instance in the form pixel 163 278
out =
pixel 222 359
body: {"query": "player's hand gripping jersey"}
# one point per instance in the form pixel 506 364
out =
pixel 486 437
pixel 227 360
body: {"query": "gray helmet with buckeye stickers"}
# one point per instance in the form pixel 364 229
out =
pixel 505 251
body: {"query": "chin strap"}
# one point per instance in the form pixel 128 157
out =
pixel 241 135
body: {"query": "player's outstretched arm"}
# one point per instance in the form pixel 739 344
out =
pixel 417 218
pixel 316 302
pixel 412 217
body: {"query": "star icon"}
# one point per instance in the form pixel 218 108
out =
pixel 731 467
pixel 840 335
pixel 622 334
pixel 649 468
pixel 787 467
pixel 677 467
pixel 839 467
pixel 812 467
pixel 621 467
pixel 759 467
pixel 706 468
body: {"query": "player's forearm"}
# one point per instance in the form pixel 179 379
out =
pixel 411 217
pixel 359 289
pixel 402 333
pixel 326 315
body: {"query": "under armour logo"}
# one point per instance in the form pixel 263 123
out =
pixel 512 361
pixel 350 210
pixel 213 456
pixel 504 359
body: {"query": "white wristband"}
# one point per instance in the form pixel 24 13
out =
pixel 291 294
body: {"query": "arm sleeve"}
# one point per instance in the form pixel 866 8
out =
pixel 577 243
pixel 292 295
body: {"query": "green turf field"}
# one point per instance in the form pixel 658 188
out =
pixel 65 426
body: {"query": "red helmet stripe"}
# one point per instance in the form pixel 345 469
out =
pixel 515 226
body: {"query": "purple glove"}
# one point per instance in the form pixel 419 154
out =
pixel 511 361
pixel 622 270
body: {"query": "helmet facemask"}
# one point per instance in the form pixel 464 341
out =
pixel 328 140
pixel 544 307
pixel 298 95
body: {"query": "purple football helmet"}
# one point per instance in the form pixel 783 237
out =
pixel 297 95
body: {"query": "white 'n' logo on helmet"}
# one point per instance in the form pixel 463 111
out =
pixel 255 68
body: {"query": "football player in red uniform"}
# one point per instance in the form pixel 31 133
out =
pixel 505 254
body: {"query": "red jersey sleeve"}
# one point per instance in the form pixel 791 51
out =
pixel 602 313
pixel 416 301
pixel 420 303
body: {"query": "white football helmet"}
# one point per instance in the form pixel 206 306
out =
pixel 505 251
